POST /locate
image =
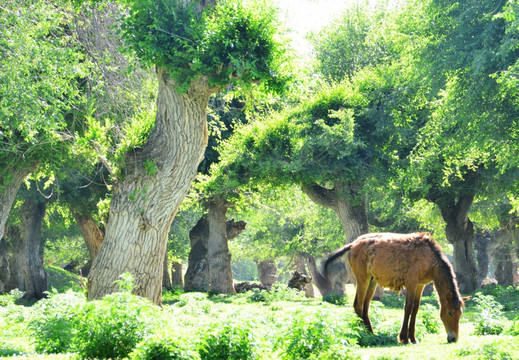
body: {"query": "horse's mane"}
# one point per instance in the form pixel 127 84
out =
pixel 444 266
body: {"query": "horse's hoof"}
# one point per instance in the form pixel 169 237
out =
pixel 403 341
pixel 414 341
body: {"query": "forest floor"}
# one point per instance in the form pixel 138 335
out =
pixel 275 320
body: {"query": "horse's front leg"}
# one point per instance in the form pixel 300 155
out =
pixel 403 337
pixel 412 320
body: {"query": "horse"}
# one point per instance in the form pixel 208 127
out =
pixel 396 261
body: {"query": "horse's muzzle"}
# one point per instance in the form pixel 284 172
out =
pixel 451 338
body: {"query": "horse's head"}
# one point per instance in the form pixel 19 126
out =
pixel 450 313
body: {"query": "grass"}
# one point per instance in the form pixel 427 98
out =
pixel 191 315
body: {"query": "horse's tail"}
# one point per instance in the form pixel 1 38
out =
pixel 337 253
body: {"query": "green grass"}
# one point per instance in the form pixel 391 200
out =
pixel 193 315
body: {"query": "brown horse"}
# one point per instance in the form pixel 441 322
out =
pixel 403 260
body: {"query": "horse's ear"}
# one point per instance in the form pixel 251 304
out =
pixel 466 298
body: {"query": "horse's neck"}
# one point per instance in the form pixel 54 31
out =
pixel 444 284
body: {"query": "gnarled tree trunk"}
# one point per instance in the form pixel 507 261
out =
pixel 8 190
pixel 92 234
pixel 34 275
pixel 323 284
pixel 482 241
pixel 176 274
pixel 197 274
pixel 166 279
pixel 218 255
pixel 5 273
pixel 197 277
pixel 267 272
pixel 157 177
pixel 15 243
pixel 460 233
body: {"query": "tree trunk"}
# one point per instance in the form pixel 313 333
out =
pixel 197 274
pixel 219 257
pixel 92 234
pixel 267 272
pixel 323 284
pixel 15 243
pixel 176 274
pixel 350 206
pixel 482 241
pixel 300 263
pixel 34 275
pixel 166 279
pixel 5 273
pixel 156 177
pixel 504 256
pixel 9 189
pixel 460 233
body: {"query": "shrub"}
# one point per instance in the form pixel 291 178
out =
pixel 508 297
pixel 257 295
pixel 11 297
pixel 514 328
pixel 383 336
pixel 428 317
pixel 498 350
pixel 489 318
pixel 163 348
pixel 312 335
pixel 194 303
pixel 54 321
pixel 113 326
pixel 336 299
pixel 227 342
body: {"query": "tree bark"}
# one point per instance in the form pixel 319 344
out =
pixel 460 233
pixel 482 242
pixel 5 273
pixel 504 256
pixel 166 279
pixel 157 177
pixel 219 257
pixel 9 189
pixel 323 284
pixel 34 275
pixel 176 274
pixel 267 272
pixel 197 276
pixel 15 243
pixel 92 234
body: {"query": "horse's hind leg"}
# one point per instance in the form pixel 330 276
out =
pixel 358 303
pixel 367 300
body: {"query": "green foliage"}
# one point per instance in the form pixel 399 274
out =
pixel 53 323
pixel 312 334
pixel 10 297
pixel 489 319
pixel 352 41
pixel 113 326
pixel 428 317
pixel 508 296
pixel 163 347
pixel 39 71
pixel 233 42
pixel 231 341
pixel 336 299
pixel 497 350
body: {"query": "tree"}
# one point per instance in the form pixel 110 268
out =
pixel 463 138
pixel 195 52
pixel 39 90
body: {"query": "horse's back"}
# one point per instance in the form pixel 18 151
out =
pixel 393 260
